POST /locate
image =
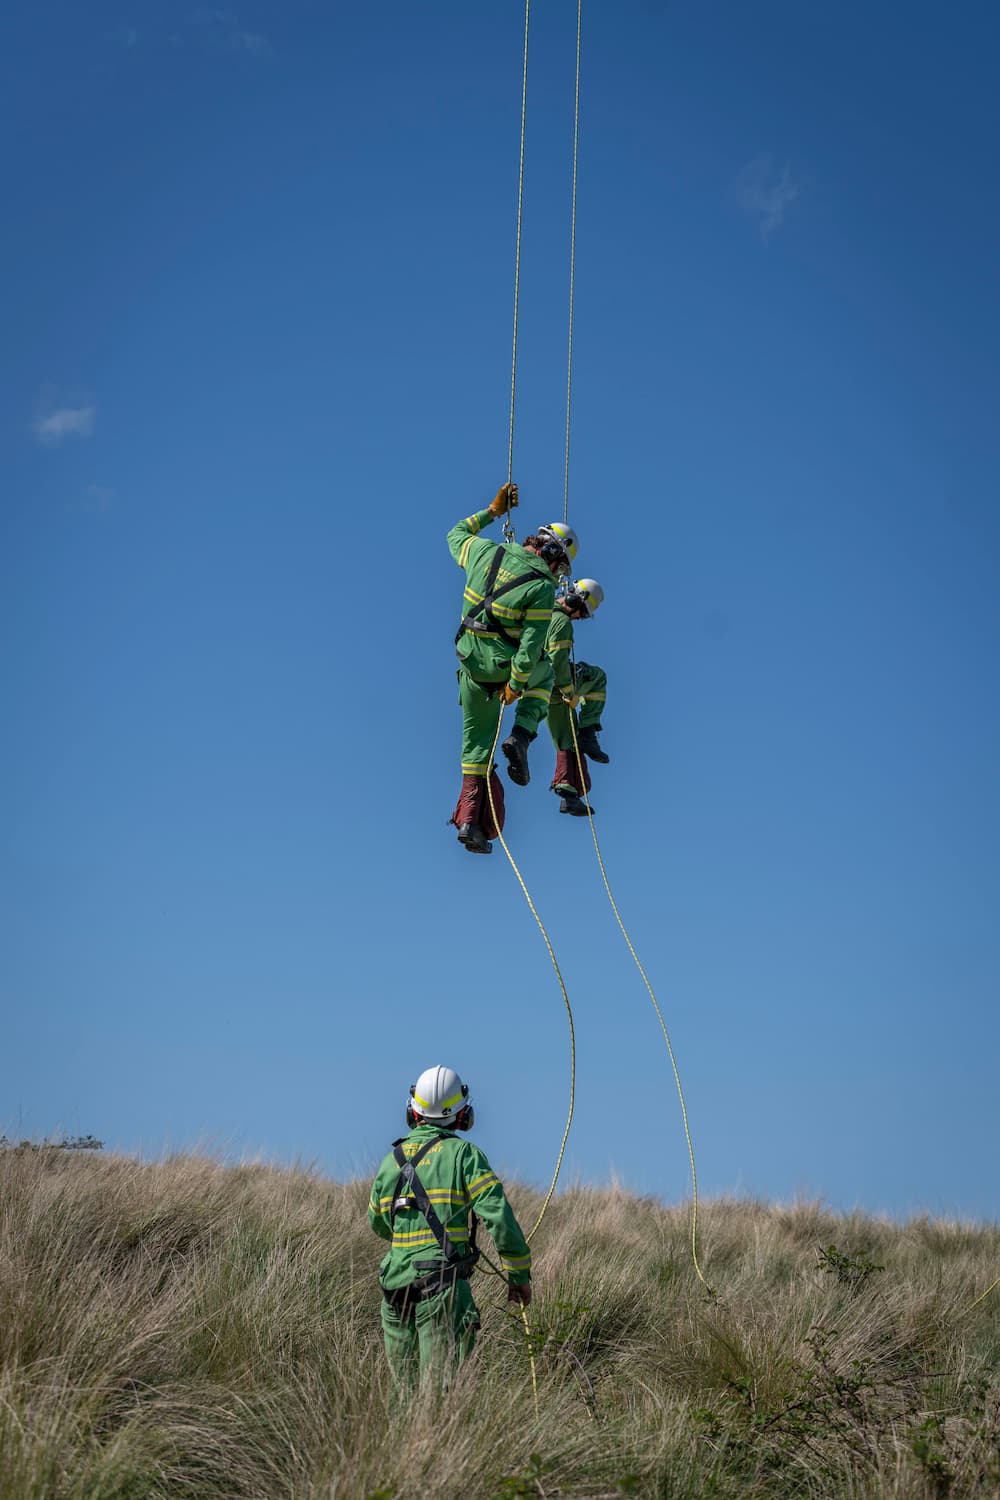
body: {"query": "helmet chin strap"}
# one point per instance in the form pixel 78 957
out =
pixel 464 1120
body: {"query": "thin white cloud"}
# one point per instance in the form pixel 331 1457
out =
pixel 64 421
pixel 100 497
pixel 766 194
pixel 223 30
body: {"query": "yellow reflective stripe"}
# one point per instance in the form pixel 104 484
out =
pixel 463 555
pixel 537 614
pixel 542 693
pixel 520 676
pixel 472 597
pixel 560 645
pixel 516 1262
pixel 425 1237
pixel 436 1195
pixel 475 767
pixel 595 697
pixel 482 1183
pixel 425 1103
pixel 473 523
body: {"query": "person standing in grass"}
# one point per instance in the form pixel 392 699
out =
pixel 426 1199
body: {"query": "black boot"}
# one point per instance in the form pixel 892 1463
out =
pixel 589 746
pixel 474 839
pixel 515 747
pixel 576 807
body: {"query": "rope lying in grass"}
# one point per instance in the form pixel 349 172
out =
pixel 992 1286
pixel 656 1007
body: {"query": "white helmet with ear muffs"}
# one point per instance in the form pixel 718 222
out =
pixel 587 594
pixel 561 539
pixel 439 1097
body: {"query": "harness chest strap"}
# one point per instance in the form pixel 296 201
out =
pixel 455 1262
pixel 492 625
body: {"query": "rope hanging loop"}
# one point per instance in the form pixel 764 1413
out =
pixel 562 985
pixel 656 1006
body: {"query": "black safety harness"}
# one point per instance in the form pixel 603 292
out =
pixel 489 624
pixel 442 1274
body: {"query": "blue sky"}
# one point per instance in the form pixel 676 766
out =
pixel 258 271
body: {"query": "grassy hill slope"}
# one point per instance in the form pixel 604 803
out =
pixel 192 1331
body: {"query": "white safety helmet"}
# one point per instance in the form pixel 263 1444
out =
pixel 440 1097
pixel 588 593
pixel 561 538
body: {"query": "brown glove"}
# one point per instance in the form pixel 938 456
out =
pixel 508 694
pixel 570 698
pixel 520 1294
pixel 506 499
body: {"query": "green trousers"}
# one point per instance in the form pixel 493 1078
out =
pixel 592 686
pixel 481 711
pixel 434 1339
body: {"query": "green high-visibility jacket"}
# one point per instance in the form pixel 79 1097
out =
pixel 457 1179
pixel 524 612
pixel 559 647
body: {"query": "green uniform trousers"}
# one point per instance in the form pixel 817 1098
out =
pixel 592 686
pixel 434 1339
pixel 481 709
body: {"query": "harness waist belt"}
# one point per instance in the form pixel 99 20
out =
pixel 402 1298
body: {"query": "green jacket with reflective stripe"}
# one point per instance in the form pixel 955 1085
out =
pixel 559 647
pixel 524 612
pixel 457 1178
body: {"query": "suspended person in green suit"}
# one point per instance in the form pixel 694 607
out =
pixel 426 1199
pixel 508 599
pixel 576 684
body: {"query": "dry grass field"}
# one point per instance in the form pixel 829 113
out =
pixel 191 1331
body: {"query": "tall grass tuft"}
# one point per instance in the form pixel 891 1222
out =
pixel 201 1332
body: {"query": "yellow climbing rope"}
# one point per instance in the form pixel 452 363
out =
pixel 508 525
pixel 656 1007
pixel 572 257
pixel 562 985
pixel 982 1298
